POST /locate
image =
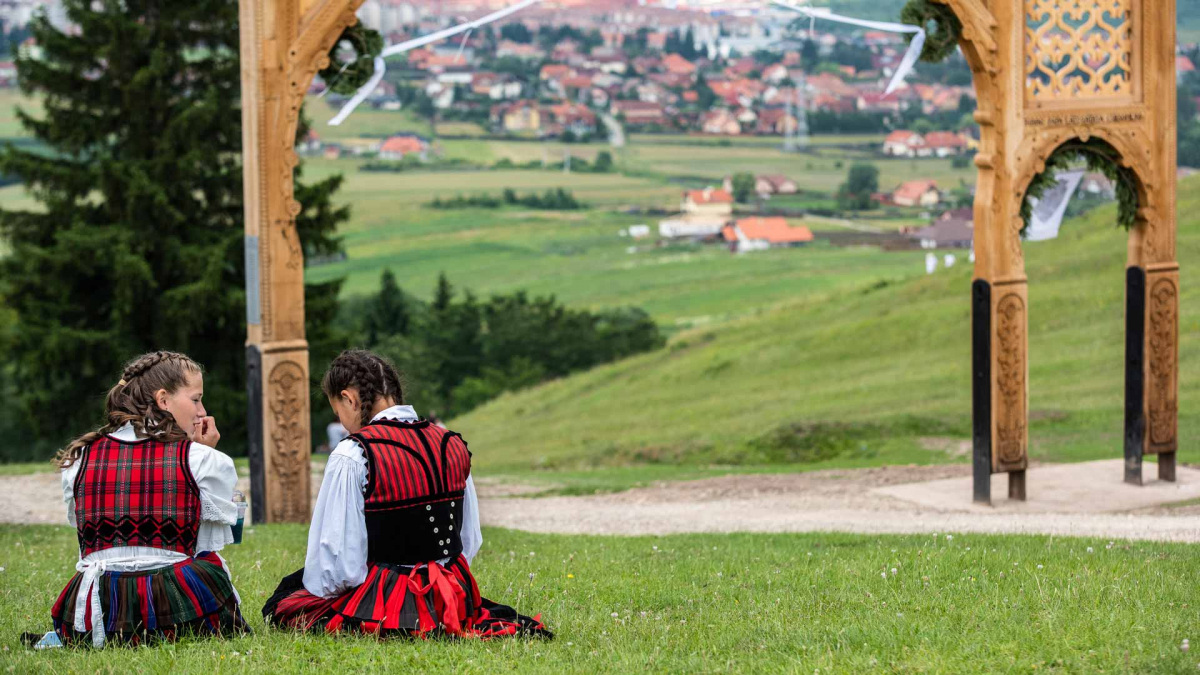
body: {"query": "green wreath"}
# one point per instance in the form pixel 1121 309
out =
pixel 346 78
pixel 942 39
pixel 1101 158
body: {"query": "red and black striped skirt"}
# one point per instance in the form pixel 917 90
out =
pixel 421 600
pixel 193 596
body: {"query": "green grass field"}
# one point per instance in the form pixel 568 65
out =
pixel 703 603
pixel 577 256
pixel 866 372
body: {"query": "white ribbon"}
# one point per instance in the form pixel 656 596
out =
pixel 910 56
pixel 408 45
pixel 89 589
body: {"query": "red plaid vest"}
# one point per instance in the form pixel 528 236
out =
pixel 414 498
pixel 136 493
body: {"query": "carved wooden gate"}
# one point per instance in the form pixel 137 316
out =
pixel 1047 72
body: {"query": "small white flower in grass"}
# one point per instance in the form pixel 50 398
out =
pixel 900 614
pixel 613 615
pixel 883 574
pixel 810 554
pixel 949 537
pixel 1090 550
pixel 1039 567
pixel 570 644
pixel 893 571
pixel 531 554
pixel 1014 564
pixel 1 569
pixel 1184 646
pixel 1002 575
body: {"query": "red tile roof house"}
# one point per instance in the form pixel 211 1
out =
pixel 708 200
pixel 637 113
pixel 917 193
pixel 757 234
pixel 674 63
pixel 945 143
pixel 903 143
pixel 397 147
pixel 775 121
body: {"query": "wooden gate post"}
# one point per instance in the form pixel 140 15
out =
pixel 283 44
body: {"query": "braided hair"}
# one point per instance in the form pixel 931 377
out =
pixel 131 401
pixel 373 376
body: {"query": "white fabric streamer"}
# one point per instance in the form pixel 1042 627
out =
pixel 1048 211
pixel 910 57
pixel 408 45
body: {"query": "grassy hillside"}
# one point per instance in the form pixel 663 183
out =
pixel 870 377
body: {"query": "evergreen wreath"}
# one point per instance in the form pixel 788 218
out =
pixel 346 78
pixel 1101 158
pixel 942 38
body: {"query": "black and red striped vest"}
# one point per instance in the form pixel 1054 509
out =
pixel 414 496
pixel 136 493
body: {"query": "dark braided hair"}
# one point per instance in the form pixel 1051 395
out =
pixel 132 401
pixel 373 376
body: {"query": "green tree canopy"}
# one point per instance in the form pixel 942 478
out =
pixel 137 241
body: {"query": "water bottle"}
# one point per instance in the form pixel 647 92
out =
pixel 240 500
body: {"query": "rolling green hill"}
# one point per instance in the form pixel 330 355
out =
pixel 865 378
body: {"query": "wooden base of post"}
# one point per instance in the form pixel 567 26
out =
pixel 1166 466
pixel 1016 485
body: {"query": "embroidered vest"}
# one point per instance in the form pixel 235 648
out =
pixel 136 493
pixel 414 496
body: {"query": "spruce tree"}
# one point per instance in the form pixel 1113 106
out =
pixel 137 243
pixel 388 313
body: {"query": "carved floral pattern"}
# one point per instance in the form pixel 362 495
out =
pixel 1081 49
pixel 1010 381
pixel 287 396
pixel 1163 368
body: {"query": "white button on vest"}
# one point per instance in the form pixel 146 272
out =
pixel 429 507
pixel 445 551
pixel 451 503
pixel 451 527
pixel 435 530
pixel 431 519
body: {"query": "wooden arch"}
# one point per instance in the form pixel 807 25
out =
pixel 1118 85
pixel 1047 72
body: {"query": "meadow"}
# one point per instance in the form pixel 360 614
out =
pixel 859 377
pixel 829 603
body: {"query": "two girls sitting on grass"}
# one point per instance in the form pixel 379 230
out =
pixel 395 527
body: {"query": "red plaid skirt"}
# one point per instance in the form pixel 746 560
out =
pixel 427 598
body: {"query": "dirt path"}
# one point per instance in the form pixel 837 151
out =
pixel 840 500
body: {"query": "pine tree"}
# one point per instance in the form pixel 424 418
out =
pixel 137 244
pixel 388 313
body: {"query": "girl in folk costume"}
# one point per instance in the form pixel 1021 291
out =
pixel 152 501
pixel 396 523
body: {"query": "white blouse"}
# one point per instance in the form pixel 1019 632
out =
pixel 216 477
pixel 336 560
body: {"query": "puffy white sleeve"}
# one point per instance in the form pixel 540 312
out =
pixel 336 560
pixel 472 538
pixel 68 488
pixel 216 476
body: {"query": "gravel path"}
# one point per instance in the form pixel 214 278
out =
pixel 819 501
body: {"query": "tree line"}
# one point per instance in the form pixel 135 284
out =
pixel 457 351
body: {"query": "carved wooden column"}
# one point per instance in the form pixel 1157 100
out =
pixel 283 43
pixel 1156 235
